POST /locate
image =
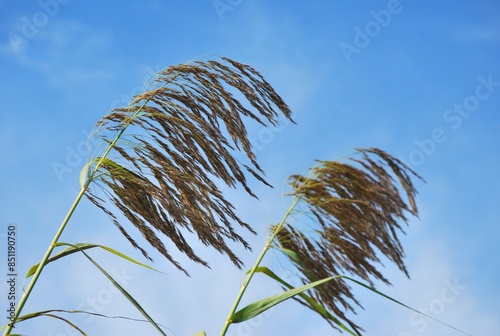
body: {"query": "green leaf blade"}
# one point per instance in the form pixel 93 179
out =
pixel 313 303
pixel 126 294
pixel 73 248
pixel 260 306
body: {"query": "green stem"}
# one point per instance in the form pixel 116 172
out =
pixel 52 245
pixel 244 287
pixel 38 271
pixel 59 232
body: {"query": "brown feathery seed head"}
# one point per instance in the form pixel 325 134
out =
pixel 358 210
pixel 163 184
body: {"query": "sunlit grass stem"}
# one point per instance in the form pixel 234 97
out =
pixel 46 256
pixel 63 225
pixel 252 271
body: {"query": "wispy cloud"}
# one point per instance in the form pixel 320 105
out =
pixel 66 53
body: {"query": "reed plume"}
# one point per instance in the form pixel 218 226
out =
pixel 167 153
pixel 357 209
pixel 182 136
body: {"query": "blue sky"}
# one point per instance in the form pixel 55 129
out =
pixel 419 79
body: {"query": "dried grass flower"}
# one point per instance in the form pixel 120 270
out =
pixel 356 210
pixel 181 138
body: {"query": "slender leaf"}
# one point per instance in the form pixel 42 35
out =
pixel 313 303
pixel 68 322
pixel 125 293
pixel 84 246
pixel 296 259
pixel 402 304
pixel 45 312
pixel 260 306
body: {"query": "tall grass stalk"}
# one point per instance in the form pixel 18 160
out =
pixel 253 270
pixel 172 187
pixel 55 240
pixel 162 180
pixel 46 256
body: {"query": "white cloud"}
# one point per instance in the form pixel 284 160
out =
pixel 67 53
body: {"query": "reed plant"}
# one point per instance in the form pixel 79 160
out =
pixel 162 159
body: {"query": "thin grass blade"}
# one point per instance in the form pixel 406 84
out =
pixel 296 259
pixel 68 322
pixel 260 306
pixel 313 303
pixel 402 304
pixel 85 246
pixel 47 313
pixel 126 294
